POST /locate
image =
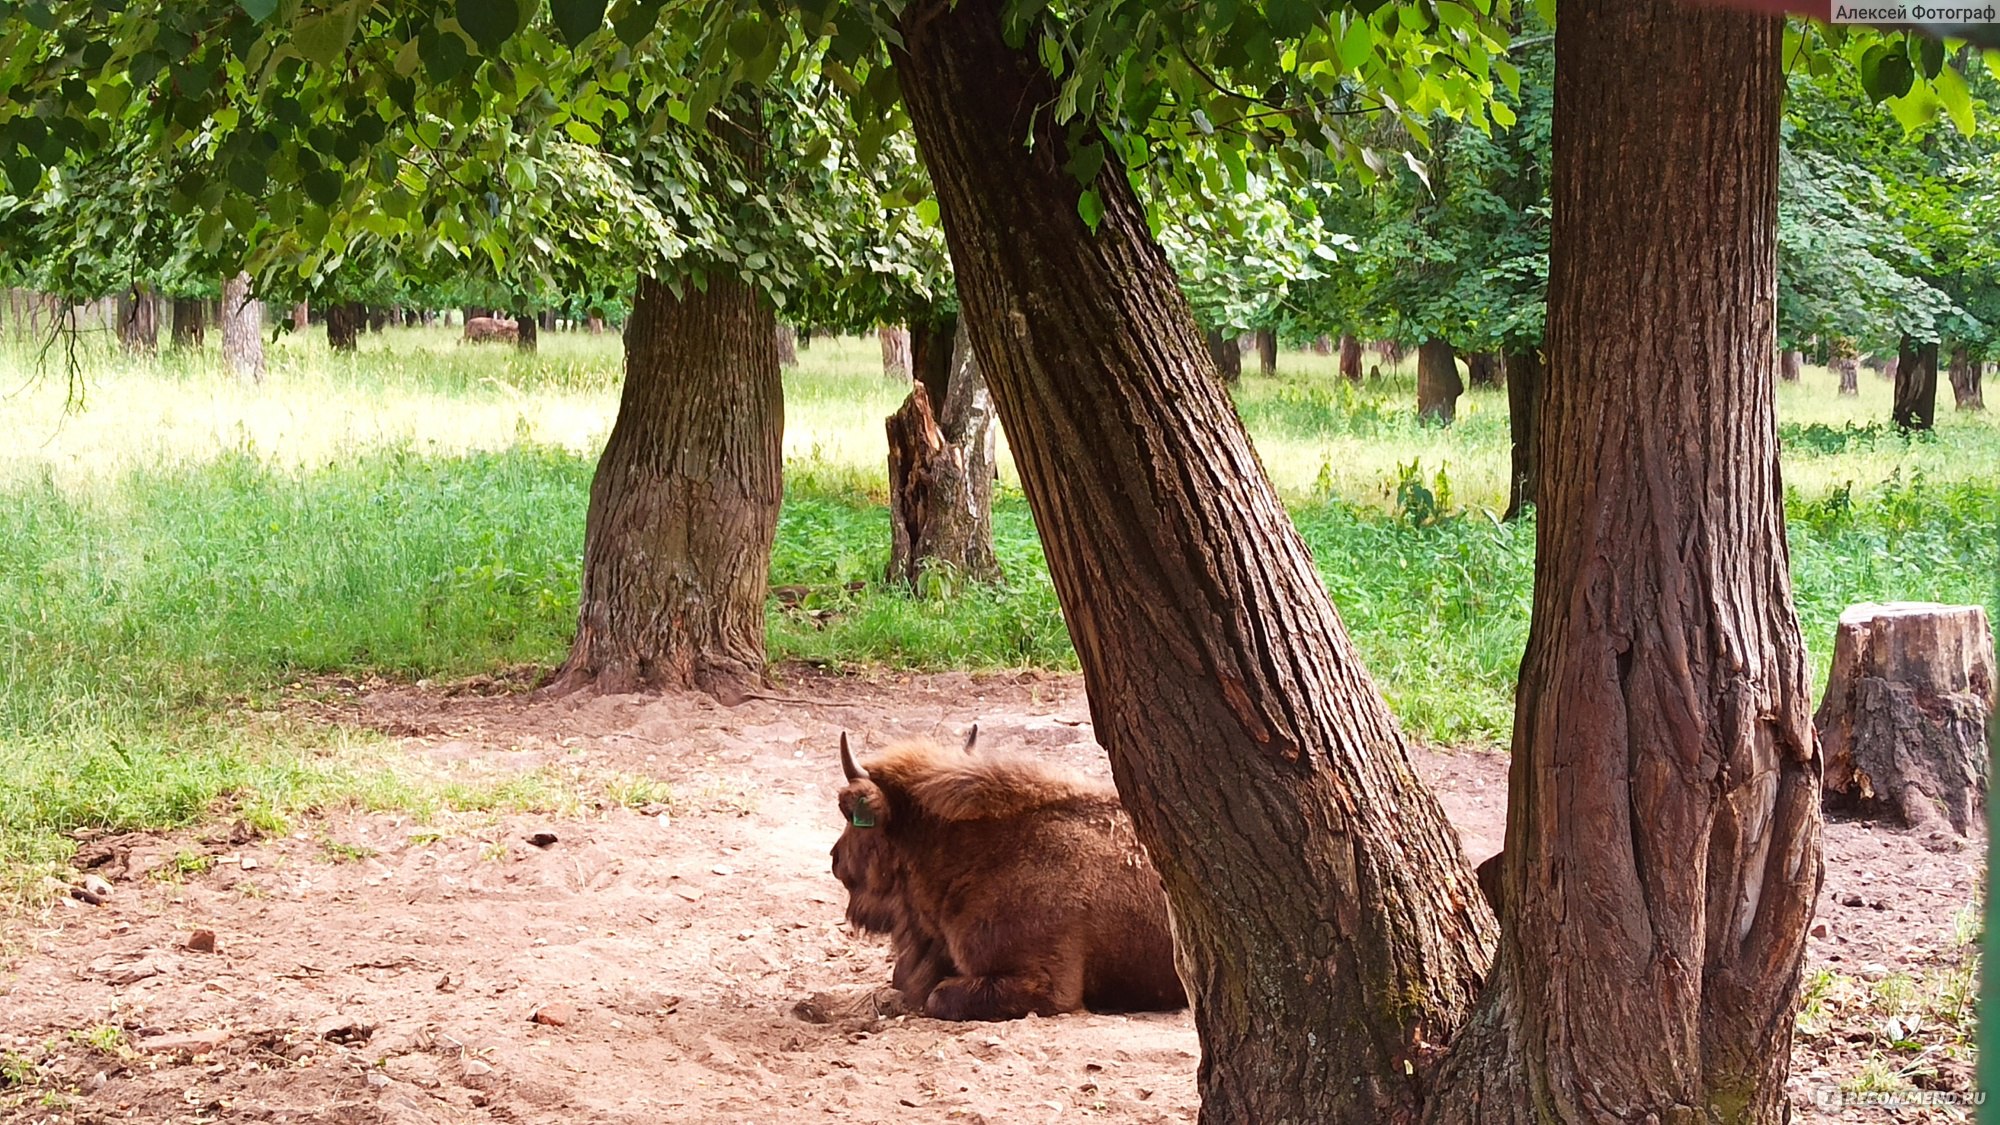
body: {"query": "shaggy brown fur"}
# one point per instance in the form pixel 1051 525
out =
pixel 1008 886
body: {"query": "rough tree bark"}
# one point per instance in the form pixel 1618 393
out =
pixel 1663 825
pixel 1903 721
pixel 1327 924
pixel 941 474
pixel 1483 369
pixel 1524 387
pixel 139 319
pixel 1915 405
pixel 343 326
pixel 1438 382
pixel 1350 358
pixel 242 330
pixel 1267 352
pixel 190 322
pixel 788 346
pixel 895 352
pixel 1965 373
pixel 1790 365
pixel 684 504
pixel 527 332
pixel 1223 355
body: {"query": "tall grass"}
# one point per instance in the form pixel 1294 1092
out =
pixel 183 546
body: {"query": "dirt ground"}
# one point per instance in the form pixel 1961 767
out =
pixel 649 964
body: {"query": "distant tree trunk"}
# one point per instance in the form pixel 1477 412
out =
pixel 1791 364
pixel 1524 388
pixel 190 322
pixel 139 320
pixel 788 346
pixel 1327 924
pixel 1482 369
pixel 941 474
pixel 343 326
pixel 1393 352
pixel 1225 355
pixel 378 319
pixel 931 344
pixel 242 330
pixel 1350 358
pixel 1267 352
pixel 805 337
pixel 1438 384
pixel 1323 344
pixel 527 332
pixel 1846 365
pixel 1965 373
pixel 1915 406
pixel 895 352
pixel 596 325
pixel 1663 852
pixel 684 504
pixel 301 317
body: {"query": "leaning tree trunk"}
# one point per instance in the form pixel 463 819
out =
pixel 343 326
pixel 190 322
pixel 684 504
pixel 1663 825
pixel 1965 372
pixel 1350 358
pixel 1903 721
pixel 527 332
pixel 1438 384
pixel 1524 387
pixel 1790 365
pixel 139 320
pixel 1267 352
pixel 1327 925
pixel 1224 355
pixel 941 475
pixel 1915 405
pixel 895 352
pixel 242 330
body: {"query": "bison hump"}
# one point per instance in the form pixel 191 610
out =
pixel 948 785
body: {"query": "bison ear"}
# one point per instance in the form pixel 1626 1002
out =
pixel 863 814
pixel 972 739
pixel 848 765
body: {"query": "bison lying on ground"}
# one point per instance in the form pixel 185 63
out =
pixel 1007 886
pixel 482 328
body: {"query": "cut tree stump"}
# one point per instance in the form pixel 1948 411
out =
pixel 1903 721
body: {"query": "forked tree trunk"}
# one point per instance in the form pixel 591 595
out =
pixel 1350 358
pixel 1267 352
pixel 1482 369
pixel 788 346
pixel 1915 405
pixel 1438 383
pixel 242 330
pixel 190 322
pixel 1662 849
pixel 1903 721
pixel 1791 363
pixel 1965 372
pixel 931 343
pixel 895 352
pixel 1327 925
pixel 343 326
pixel 1224 355
pixel 941 475
pixel 1846 365
pixel 1524 388
pixel 684 504
pixel 139 320
pixel 527 332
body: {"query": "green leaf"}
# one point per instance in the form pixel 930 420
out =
pixel 1289 19
pixel 24 173
pixel 323 187
pixel 1930 55
pixel 1885 74
pixel 1956 98
pixel 577 20
pixel 1356 43
pixel 1090 208
pixel 489 22
pixel 444 55
pixel 258 10
pixel 209 231
pixel 927 210
pixel 1085 161
pixel 746 37
pixel 322 38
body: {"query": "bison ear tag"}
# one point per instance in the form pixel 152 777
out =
pixel 863 816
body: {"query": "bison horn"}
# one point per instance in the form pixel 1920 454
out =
pixel 972 739
pixel 847 764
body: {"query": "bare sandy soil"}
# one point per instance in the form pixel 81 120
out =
pixel 681 961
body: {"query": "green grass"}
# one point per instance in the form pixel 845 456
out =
pixel 181 550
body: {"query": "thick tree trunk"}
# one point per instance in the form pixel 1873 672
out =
pixel 931 344
pixel 139 320
pixel 1327 925
pixel 941 475
pixel 895 352
pixel 1350 358
pixel 684 504
pixel 1438 383
pixel 1915 405
pixel 190 322
pixel 1791 363
pixel 377 319
pixel 1903 721
pixel 1224 355
pixel 527 332
pixel 242 330
pixel 1662 849
pixel 788 346
pixel 343 326
pixel 1483 369
pixel 1846 366
pixel 1267 351
pixel 1524 388
pixel 1965 372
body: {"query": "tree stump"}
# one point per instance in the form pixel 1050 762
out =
pixel 941 469
pixel 1903 722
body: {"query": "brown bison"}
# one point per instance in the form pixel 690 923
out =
pixel 1007 886
pixel 482 328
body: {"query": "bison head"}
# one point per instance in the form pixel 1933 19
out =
pixel 864 860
